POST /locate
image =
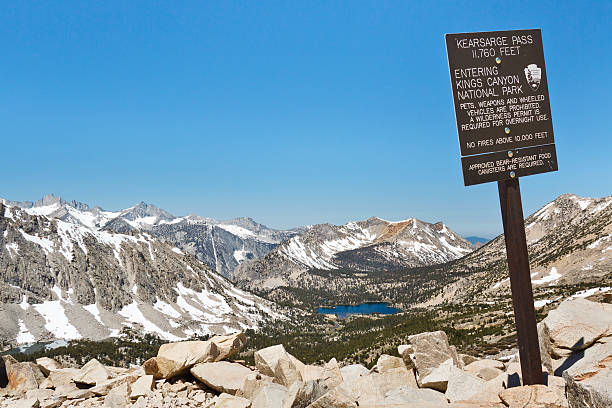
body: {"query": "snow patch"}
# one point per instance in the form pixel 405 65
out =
pixel 56 321
pixel 44 243
pixel 590 292
pixel 93 309
pixel 133 314
pixel 24 336
pixel 552 276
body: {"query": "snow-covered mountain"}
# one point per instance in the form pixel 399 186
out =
pixel 570 245
pixel 220 244
pixel 372 244
pixel 63 276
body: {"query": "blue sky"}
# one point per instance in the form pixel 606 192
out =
pixel 288 112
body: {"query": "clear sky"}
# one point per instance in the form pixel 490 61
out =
pixel 291 113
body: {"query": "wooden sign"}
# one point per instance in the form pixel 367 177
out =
pixel 500 90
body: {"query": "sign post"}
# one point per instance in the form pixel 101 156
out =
pixel 500 91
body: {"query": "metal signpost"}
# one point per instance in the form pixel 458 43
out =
pixel 500 90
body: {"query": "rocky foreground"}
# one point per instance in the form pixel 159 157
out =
pixel 575 341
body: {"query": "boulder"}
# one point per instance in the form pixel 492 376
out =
pixel 462 385
pixel 62 376
pixel 92 373
pixel 21 376
pixel 40 394
pixel 386 362
pixel 228 345
pixel 306 393
pixel 331 375
pixel 47 364
pixel 24 403
pixel 486 369
pixel 176 358
pixel 437 378
pixel 466 359
pixel 65 390
pixel 118 397
pixel 545 346
pixel 576 324
pixel 532 396
pixel 274 361
pixel 352 372
pixel 78 394
pixel 142 387
pixel 105 387
pixel 252 384
pixel 334 399
pixel 311 372
pixel 477 404
pixel 53 402
pixel 231 401
pixel 372 388
pixel 405 351
pixel 589 380
pixel 431 351
pixel 270 395
pixel 221 376
pixel 420 397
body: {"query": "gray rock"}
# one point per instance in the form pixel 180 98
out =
pixel 576 324
pixel 433 355
pixel 230 401
pixel 105 387
pixel 386 362
pixel 229 345
pixel 486 369
pixel 352 372
pixel 306 393
pixel 333 399
pixel 176 358
pixel 25 403
pixel 47 364
pixel 437 378
pixel 331 375
pixel 408 395
pixel 21 376
pixel 63 376
pixel 463 385
pixel 221 376
pixel 533 395
pixel 589 380
pixel 270 395
pixel 142 387
pixel 275 362
pixel 92 373
pixel 252 384
pixel 118 397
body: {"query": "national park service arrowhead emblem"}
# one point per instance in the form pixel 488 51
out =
pixel 534 76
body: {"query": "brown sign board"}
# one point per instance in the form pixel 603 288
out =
pixel 500 91
pixel 496 166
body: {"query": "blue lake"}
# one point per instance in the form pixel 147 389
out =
pixel 343 311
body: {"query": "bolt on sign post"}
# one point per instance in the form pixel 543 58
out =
pixel 500 91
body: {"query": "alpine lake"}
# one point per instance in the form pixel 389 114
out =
pixel 344 311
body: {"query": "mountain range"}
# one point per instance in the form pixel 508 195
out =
pixel 63 276
pixel 220 244
pixel 369 245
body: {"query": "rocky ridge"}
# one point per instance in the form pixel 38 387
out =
pixel 427 373
pixel 372 244
pixel 220 244
pixel 569 242
pixel 64 280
